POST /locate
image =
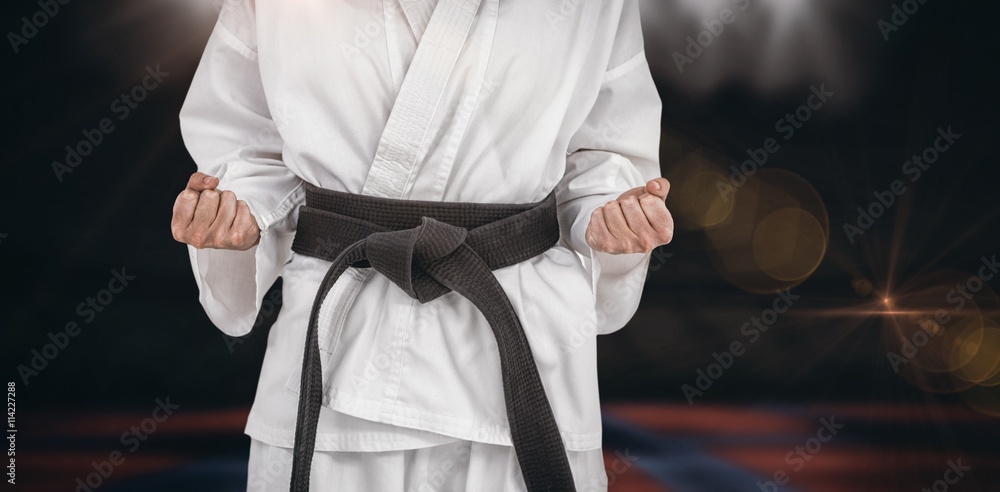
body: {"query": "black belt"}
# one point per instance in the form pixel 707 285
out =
pixel 429 249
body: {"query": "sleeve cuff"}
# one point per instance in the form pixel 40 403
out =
pixel 616 279
pixel 232 284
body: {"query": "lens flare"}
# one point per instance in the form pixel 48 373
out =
pixel 776 235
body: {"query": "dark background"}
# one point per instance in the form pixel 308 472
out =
pixel 60 240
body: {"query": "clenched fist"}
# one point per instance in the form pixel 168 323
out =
pixel 205 217
pixel 637 222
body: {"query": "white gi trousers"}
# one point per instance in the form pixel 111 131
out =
pixel 454 467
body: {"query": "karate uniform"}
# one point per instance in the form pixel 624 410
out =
pixel 497 101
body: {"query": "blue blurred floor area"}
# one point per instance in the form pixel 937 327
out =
pixel 679 463
pixel 220 475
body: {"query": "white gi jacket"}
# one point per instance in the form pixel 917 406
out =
pixel 451 100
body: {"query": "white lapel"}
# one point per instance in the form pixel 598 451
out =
pixel 419 96
pixel 418 14
pixel 400 16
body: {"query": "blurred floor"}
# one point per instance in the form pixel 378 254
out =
pixel 648 447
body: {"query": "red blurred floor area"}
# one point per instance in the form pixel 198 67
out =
pixel 648 447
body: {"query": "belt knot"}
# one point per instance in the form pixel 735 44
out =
pixel 402 254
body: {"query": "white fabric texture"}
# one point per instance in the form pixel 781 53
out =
pixel 455 467
pixel 346 95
